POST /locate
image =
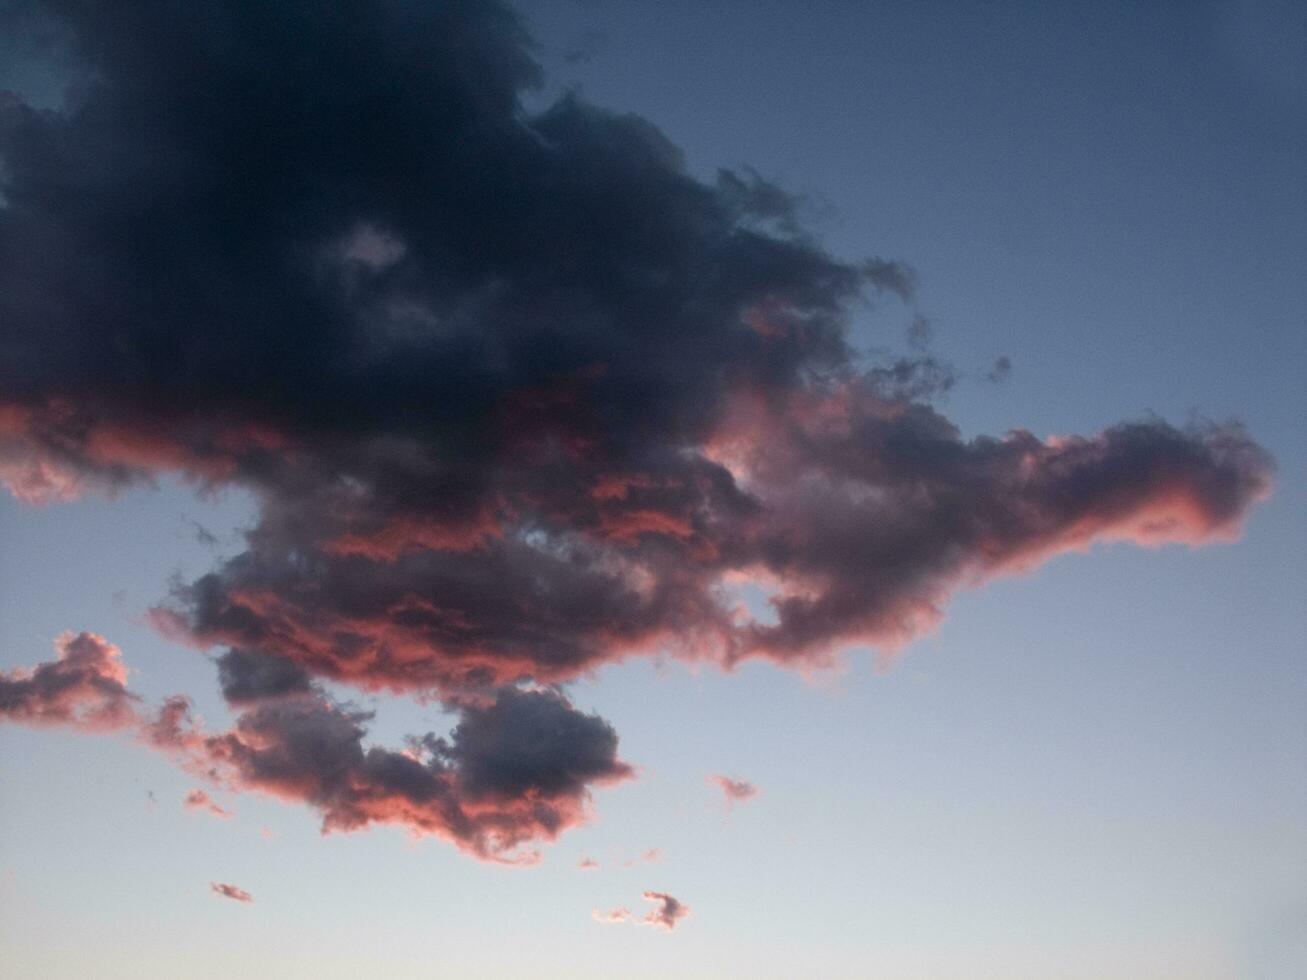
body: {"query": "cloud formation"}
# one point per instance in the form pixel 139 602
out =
pixel 734 790
pixel 85 687
pixel 517 395
pixel 668 912
pixel 517 768
pixel 201 801
pixel 647 857
pixel 232 892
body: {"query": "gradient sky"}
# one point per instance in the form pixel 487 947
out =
pixel 1096 767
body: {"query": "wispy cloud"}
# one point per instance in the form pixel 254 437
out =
pixel 199 800
pixel 647 857
pixel 734 790
pixel 232 892
pixel 1000 371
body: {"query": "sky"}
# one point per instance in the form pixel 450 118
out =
pixel 600 489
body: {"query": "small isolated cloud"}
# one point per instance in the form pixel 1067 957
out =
pixel 231 891
pixel 669 911
pixel 1000 371
pixel 587 864
pixel 735 790
pixel 197 799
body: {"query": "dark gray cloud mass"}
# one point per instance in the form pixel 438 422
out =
pixel 517 395
pixel 250 675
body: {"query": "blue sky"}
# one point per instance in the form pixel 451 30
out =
pixel 1095 769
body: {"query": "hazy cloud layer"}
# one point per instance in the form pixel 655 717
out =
pixel 517 395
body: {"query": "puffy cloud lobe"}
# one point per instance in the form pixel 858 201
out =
pixel 530 743
pixel 734 790
pixel 232 892
pixel 85 687
pixel 517 768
